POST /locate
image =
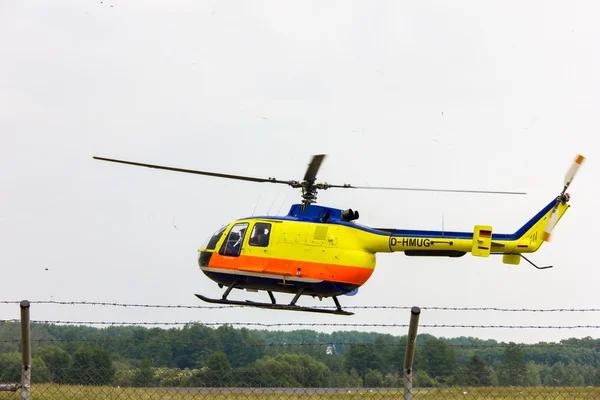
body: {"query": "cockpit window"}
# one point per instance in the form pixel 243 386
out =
pixel 233 244
pixel 260 234
pixel 211 243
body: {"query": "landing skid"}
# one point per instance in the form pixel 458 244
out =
pixel 273 305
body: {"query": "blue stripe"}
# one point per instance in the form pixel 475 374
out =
pixel 314 217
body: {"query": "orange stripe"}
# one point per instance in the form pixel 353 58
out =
pixel 579 159
pixel 279 266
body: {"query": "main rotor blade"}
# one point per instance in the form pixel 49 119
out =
pixel 313 168
pixel 348 186
pixel 192 171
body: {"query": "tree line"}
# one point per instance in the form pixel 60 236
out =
pixel 198 355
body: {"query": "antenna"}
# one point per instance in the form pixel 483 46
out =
pixel 253 211
pixel 272 203
pixel 442 224
pixel 281 205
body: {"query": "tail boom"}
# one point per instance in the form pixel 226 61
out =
pixel 481 242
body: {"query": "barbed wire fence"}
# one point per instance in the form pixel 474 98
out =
pixel 149 362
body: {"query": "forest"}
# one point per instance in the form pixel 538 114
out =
pixel 198 355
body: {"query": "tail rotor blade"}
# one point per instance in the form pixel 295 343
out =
pixel 550 225
pixel 573 170
pixel 553 219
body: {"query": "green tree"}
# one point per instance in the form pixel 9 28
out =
pixel 334 362
pixel 398 353
pixel 9 330
pixel 546 375
pixel 144 374
pixel 439 361
pixel 384 347
pixel 588 374
pixel 308 371
pixel 362 357
pixel 373 379
pixel 346 380
pixel 354 379
pixel 246 352
pixel 197 343
pixel 566 375
pixel 218 371
pixel 91 366
pixel 10 368
pixel 39 371
pixel 597 376
pixel 421 379
pixel 291 370
pixel 58 362
pixel 477 372
pixel 532 374
pixel 511 371
pixel 270 372
pixel 559 374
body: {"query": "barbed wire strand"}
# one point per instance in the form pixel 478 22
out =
pixel 368 344
pixel 262 324
pixel 438 308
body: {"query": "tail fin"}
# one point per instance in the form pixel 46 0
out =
pixel 538 229
pixel 531 236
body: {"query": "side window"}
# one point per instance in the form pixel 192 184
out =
pixel 211 242
pixel 260 234
pixel 233 244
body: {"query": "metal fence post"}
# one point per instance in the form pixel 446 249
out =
pixel 25 352
pixel 410 351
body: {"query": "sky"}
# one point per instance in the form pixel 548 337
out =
pixel 467 95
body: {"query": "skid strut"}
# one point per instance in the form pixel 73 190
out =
pixel 229 290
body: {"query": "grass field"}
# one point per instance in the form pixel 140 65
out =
pixel 64 392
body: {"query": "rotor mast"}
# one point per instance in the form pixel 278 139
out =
pixel 308 185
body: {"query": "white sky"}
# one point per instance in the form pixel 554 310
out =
pixel 256 88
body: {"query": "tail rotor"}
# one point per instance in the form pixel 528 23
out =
pixel 563 197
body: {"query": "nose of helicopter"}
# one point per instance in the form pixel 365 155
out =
pixel 204 258
pixel 211 242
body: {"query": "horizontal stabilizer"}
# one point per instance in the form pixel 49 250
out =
pixel 513 259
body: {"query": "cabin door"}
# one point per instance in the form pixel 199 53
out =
pixel 257 249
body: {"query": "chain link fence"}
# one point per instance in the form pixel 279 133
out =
pixel 71 360
pixel 276 379
pixel 441 371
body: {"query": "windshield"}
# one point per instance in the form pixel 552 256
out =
pixel 211 242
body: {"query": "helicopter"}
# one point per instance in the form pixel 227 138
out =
pixel 323 252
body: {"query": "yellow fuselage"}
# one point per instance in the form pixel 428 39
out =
pixel 329 256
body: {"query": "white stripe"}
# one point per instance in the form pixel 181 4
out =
pixel 258 275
